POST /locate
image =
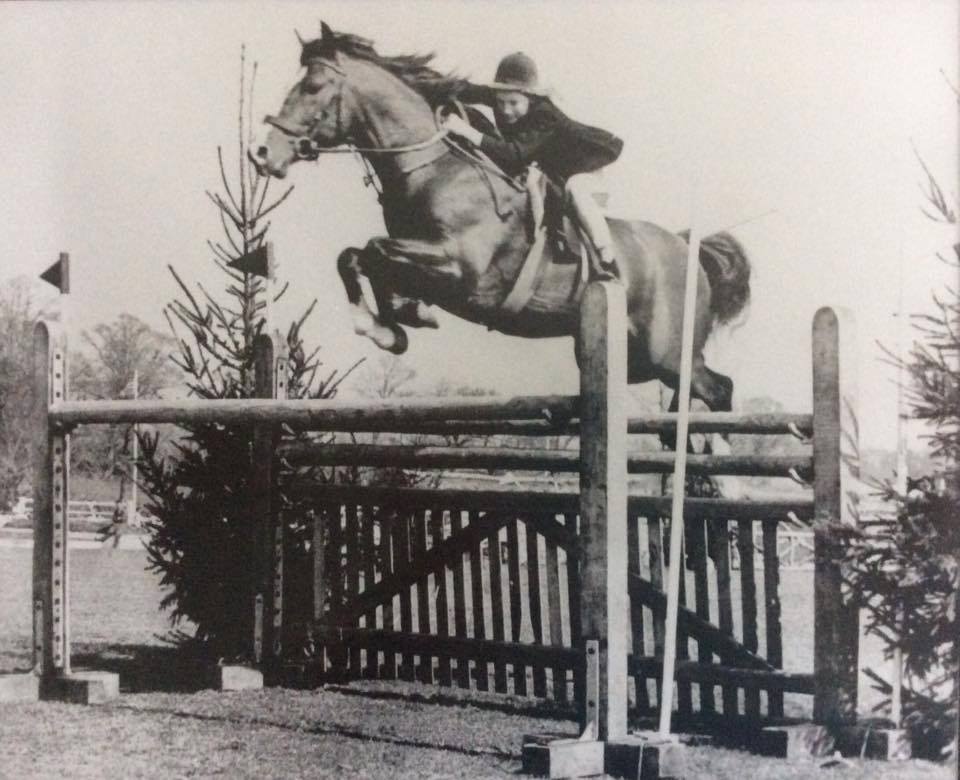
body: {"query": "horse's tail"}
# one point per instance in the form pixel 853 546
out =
pixel 728 269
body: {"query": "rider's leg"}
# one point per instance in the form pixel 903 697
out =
pixel 581 190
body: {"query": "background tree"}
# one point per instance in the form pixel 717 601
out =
pixel 18 311
pixel 908 573
pixel 114 356
pixel 201 524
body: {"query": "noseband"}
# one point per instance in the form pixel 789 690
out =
pixel 306 147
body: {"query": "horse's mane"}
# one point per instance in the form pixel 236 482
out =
pixel 412 69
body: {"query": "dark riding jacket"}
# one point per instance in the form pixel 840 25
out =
pixel 545 135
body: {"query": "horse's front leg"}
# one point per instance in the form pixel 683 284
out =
pixel 381 330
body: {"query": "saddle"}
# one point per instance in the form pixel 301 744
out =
pixel 555 236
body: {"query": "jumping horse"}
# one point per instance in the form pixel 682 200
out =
pixel 459 233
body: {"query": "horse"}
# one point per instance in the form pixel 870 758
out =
pixel 459 232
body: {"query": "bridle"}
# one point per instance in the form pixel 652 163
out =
pixel 306 147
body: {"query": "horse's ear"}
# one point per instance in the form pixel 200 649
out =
pixel 326 33
pixel 299 36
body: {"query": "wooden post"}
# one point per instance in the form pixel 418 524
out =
pixel 836 471
pixel 50 502
pixel 270 381
pixel 603 499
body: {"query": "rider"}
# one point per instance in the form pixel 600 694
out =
pixel 534 130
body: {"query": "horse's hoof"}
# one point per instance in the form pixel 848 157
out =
pixel 400 341
pixel 425 316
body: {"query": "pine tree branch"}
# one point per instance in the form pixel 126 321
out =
pixel 224 208
pixel 226 232
pixel 223 178
pixel 276 203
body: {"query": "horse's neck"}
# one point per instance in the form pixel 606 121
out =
pixel 389 114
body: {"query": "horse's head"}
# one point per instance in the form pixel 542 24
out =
pixel 352 94
pixel 316 114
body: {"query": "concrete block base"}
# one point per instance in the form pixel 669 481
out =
pixel 805 740
pixel 237 678
pixel 19 686
pixel 871 742
pixel 645 756
pixel 84 687
pixel 550 755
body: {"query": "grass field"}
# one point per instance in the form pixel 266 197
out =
pixel 166 725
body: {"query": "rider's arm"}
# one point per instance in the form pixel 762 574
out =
pixel 516 153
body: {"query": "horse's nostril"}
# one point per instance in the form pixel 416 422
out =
pixel 262 152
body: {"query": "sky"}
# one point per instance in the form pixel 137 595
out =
pixel 795 121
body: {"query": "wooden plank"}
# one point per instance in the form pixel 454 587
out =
pixel 353 561
pixel 684 688
pixel 539 502
pixel 636 611
pixel 51 498
pixel 336 568
pixel 602 352
pixel 316 414
pixel 444 673
pixel 407 415
pixel 371 666
pixel 462 678
pixel 480 650
pixel 530 459
pixel 655 551
pixel 496 601
pixel 837 470
pixel 319 554
pixel 546 655
pixel 697 556
pixel 418 553
pixel 748 607
pixel 403 578
pixel 477 600
pixel 771 593
pixel 516 609
pixel 536 605
pixel 388 521
pixel 573 604
pixel 693 624
pixel 720 553
pixel 555 622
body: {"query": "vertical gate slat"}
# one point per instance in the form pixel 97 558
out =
pixel 555 615
pixel 459 604
pixel 636 611
pixel 402 560
pixel 536 603
pixel 720 552
pixel 516 608
pixel 388 523
pixel 748 601
pixel 352 542
pixel 320 551
pixel 372 666
pixel 655 549
pixel 697 556
pixel 684 689
pixel 771 593
pixel 418 550
pixel 444 676
pixel 496 598
pixel 476 593
pixel 336 569
pixel 573 603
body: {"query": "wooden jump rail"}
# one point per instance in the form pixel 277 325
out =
pixel 598 415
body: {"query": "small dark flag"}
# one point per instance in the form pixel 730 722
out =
pixel 259 262
pixel 58 274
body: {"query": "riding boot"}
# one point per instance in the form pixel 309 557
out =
pixel 603 265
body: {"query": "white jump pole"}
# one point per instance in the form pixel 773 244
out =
pixel 679 478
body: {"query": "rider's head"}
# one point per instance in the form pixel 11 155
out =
pixel 515 83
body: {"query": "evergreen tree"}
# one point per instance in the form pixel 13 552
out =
pixel 201 525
